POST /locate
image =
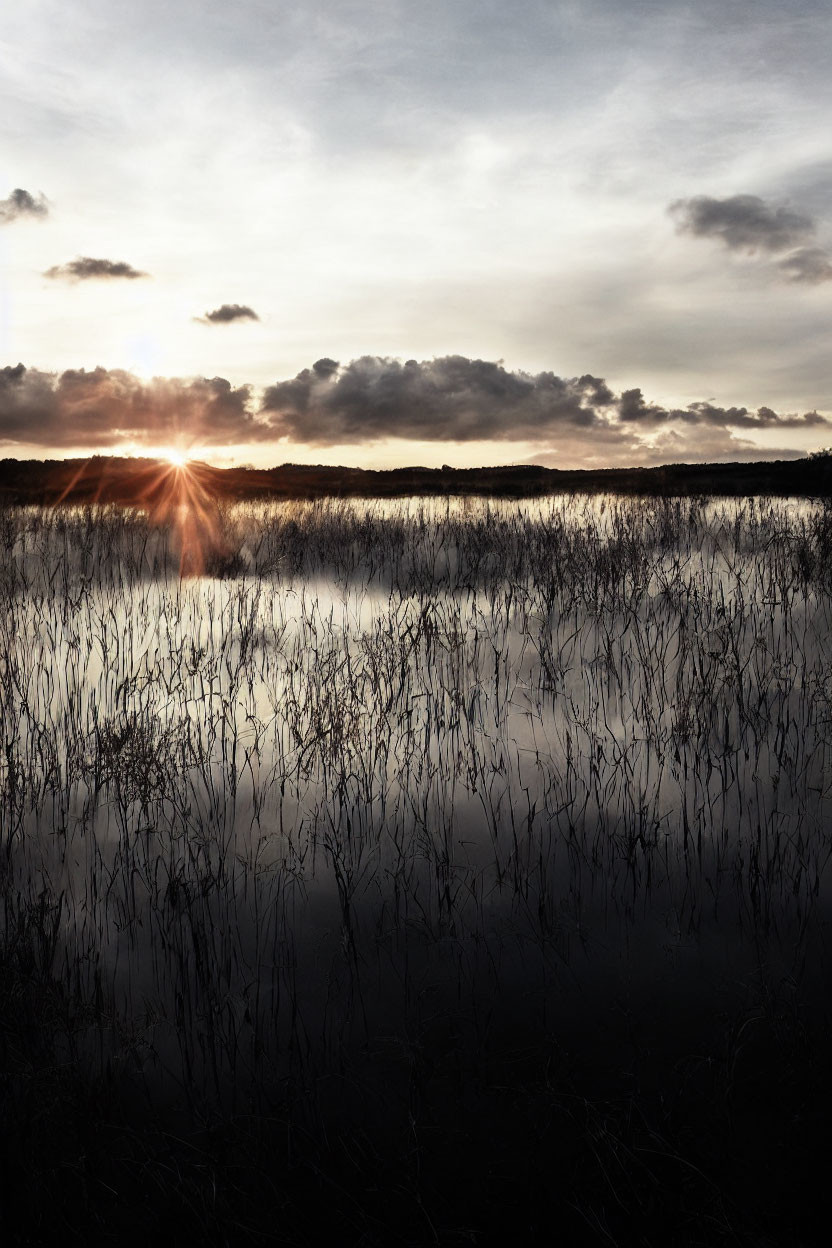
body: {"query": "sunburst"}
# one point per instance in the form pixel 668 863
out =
pixel 175 457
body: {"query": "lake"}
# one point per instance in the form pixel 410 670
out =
pixel 397 804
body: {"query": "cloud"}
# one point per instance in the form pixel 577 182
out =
pixel 228 312
pixel 456 399
pixel 671 446
pixel 371 399
pixel 810 265
pixel 743 222
pixel 447 399
pixel 22 204
pixel 104 408
pixel 710 447
pixel 742 418
pixel 633 410
pixel 86 267
pixel 746 223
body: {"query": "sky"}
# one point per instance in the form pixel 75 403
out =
pixel 382 232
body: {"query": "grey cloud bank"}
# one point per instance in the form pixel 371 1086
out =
pixel 450 399
pixel 22 204
pixel 632 408
pixel 106 407
pixel 456 399
pixel 86 268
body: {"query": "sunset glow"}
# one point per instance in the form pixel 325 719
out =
pixel 177 458
pixel 421 268
pixel 415 602
pixel 176 497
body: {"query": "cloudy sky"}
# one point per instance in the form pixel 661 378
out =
pixel 383 232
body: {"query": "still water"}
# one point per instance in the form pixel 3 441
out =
pixel 389 778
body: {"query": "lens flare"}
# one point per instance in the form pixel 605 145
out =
pixel 178 497
pixel 178 493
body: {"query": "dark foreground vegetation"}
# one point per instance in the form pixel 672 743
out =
pixel 138 482
pixel 437 872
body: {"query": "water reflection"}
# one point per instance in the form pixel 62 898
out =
pixel 417 772
pixel 178 500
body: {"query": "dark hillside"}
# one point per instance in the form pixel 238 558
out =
pixel 111 479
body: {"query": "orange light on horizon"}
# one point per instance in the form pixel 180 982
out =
pixel 181 499
pixel 176 457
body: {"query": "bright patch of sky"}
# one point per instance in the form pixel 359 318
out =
pixel 453 177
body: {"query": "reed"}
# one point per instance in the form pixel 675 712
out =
pixel 411 850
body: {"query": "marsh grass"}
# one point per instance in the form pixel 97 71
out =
pixel 434 872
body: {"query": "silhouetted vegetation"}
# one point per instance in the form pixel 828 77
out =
pixel 438 871
pixel 110 479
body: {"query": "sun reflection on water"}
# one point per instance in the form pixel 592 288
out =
pixel 176 496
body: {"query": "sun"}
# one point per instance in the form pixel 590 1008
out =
pixel 176 458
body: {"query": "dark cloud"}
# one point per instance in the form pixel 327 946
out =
pixel 229 312
pixel 22 204
pixel 743 222
pixel 742 418
pixel 447 399
pixel 809 265
pixel 102 408
pixel 86 267
pixel 455 399
pixel 633 410
pixel 747 223
pixel 451 399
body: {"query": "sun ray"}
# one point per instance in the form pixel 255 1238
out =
pixel 175 495
pixel 177 457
